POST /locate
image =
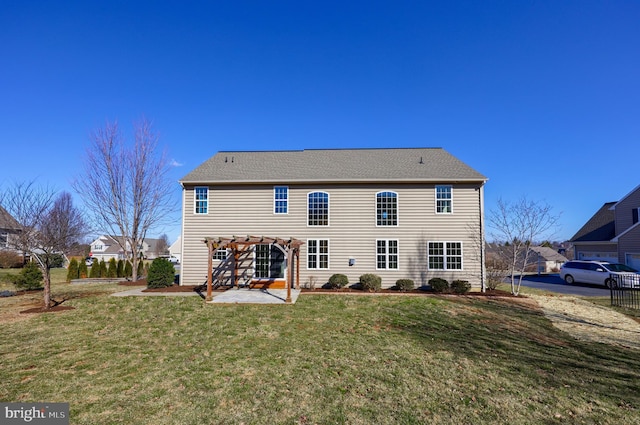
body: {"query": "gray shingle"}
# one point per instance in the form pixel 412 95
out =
pixel 333 165
pixel 600 228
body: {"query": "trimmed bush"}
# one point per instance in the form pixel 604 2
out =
pixel 112 269
pixel 72 271
pixel 460 286
pixel 161 273
pixel 95 270
pixel 30 277
pixel 83 271
pixel 140 269
pixel 338 281
pixel 404 285
pixel 438 284
pixel 128 269
pixel 120 268
pixel 103 268
pixel 371 282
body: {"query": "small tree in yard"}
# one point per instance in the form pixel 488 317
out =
pixel 95 270
pixel 103 268
pixel 30 277
pixel 128 269
pixel 112 268
pixel 83 272
pixel 140 273
pixel 48 225
pixel 515 228
pixel 120 268
pixel 161 273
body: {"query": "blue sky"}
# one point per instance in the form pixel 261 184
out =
pixel 543 97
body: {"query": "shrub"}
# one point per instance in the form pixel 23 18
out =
pixel 128 269
pixel 56 261
pixel 404 284
pixel 112 270
pixel 438 284
pixel 103 268
pixel 371 282
pixel 120 268
pixel 492 284
pixel 9 259
pixel 72 271
pixel 460 286
pixel 30 277
pixel 95 270
pixel 83 271
pixel 338 281
pixel 140 269
pixel 161 273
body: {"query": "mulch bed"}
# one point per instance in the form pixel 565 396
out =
pixel 53 309
pixel 390 291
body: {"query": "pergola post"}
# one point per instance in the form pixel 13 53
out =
pixel 289 275
pixel 210 271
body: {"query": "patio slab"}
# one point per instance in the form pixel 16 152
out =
pixel 254 296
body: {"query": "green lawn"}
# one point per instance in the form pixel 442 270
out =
pixel 324 360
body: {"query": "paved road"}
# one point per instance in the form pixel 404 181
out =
pixel 553 283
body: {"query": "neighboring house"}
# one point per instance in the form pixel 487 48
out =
pixel 613 233
pixel 399 213
pixel 9 227
pixel 546 260
pixel 106 247
pixel 175 250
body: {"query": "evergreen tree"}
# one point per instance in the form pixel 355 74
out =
pixel 120 268
pixel 95 270
pixel 72 271
pixel 112 270
pixel 83 271
pixel 128 269
pixel 140 272
pixel 103 268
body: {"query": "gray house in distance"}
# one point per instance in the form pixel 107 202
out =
pixel 613 233
pixel 399 213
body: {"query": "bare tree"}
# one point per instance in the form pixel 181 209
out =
pixel 162 247
pixel 126 188
pixel 515 228
pixel 46 228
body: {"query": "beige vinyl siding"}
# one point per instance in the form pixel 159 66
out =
pixel 629 243
pixel 352 233
pixel 623 211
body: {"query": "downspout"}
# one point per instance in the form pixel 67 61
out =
pixel 483 286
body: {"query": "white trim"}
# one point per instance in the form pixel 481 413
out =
pixel 274 200
pixel 387 254
pixel 328 209
pixel 397 209
pixel 195 200
pixel 435 194
pixel 445 269
pixel 317 254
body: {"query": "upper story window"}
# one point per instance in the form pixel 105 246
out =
pixel 201 200
pixel 386 209
pixel 280 200
pixel 318 209
pixel 444 199
pixel 98 247
pixel 444 255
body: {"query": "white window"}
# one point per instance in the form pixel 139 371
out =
pixel 386 254
pixel 201 200
pixel 318 209
pixel 444 199
pixel 386 209
pixel 444 255
pixel 269 262
pixel 221 254
pixel 280 200
pixel 317 254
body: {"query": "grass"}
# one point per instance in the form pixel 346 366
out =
pixel 326 359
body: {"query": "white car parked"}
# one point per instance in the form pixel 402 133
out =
pixel 600 273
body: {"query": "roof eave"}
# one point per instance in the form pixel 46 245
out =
pixel 332 181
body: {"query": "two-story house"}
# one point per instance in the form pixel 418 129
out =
pixel 9 227
pixel 612 233
pixel 106 247
pixel 399 213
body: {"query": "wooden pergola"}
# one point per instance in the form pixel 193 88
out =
pixel 237 245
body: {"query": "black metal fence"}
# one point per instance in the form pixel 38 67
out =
pixel 626 291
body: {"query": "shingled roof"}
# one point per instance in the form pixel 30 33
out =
pixel 7 221
pixel 600 228
pixel 334 165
